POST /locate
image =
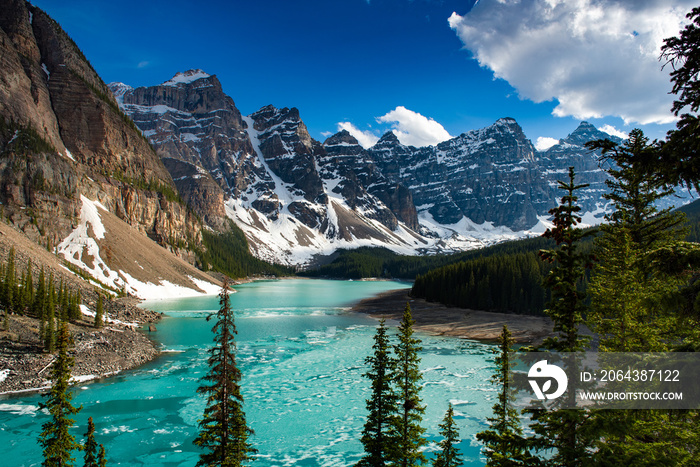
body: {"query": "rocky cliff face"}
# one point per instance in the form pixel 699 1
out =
pixel 292 195
pixel 571 152
pixel 64 136
pixel 487 175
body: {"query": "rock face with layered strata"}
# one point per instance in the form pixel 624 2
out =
pixel 63 136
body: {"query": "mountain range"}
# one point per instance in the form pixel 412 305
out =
pixel 170 162
pixel 297 198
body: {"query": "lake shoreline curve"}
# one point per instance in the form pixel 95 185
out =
pixel 437 319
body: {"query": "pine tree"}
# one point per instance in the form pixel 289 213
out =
pixel 504 442
pixel 9 288
pixel 632 302
pixel 90 447
pixel 55 439
pixel 627 297
pixel 378 437
pixel 449 455
pixel 223 430
pixel 50 337
pixel 99 312
pixel 28 295
pixel 678 162
pixel 74 306
pixel 407 382
pixel 567 306
pixel 38 305
pixel 565 432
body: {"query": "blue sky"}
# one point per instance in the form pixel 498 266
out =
pixel 426 68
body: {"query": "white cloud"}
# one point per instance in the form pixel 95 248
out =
pixel 367 139
pixel 413 129
pixel 544 142
pixel 143 64
pixel 595 57
pixel 611 130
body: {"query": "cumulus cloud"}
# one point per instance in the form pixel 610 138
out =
pixel 413 129
pixel 544 142
pixel 611 130
pixel 595 57
pixel 367 139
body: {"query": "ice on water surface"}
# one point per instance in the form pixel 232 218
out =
pixel 303 388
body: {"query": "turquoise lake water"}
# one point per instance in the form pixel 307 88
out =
pixel 302 356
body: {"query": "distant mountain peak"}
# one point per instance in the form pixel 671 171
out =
pixel 119 89
pixel 389 137
pixel 586 132
pixel 342 137
pixel 507 121
pixel 186 77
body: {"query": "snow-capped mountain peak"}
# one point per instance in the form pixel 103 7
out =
pixel 296 198
pixel 186 77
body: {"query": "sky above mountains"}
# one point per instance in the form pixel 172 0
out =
pixel 426 69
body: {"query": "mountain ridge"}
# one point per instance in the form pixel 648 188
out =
pixel 290 192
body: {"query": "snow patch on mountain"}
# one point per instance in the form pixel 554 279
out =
pixel 118 90
pixel 281 189
pixel 186 77
pixel 83 249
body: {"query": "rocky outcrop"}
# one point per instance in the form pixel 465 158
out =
pixel 24 95
pixel 188 118
pixel 289 150
pixel 64 135
pixel 359 180
pixel 486 175
pixel 199 190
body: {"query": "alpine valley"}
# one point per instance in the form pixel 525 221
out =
pixel 174 160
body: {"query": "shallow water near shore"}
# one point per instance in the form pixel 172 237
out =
pixel 302 357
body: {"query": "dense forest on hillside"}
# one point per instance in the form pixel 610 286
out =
pixel 228 253
pixel 504 282
pixel 380 262
pixel 506 277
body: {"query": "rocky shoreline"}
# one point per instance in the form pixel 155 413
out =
pixel 120 345
pixel 438 319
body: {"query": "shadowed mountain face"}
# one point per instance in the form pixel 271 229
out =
pixel 62 135
pixel 66 147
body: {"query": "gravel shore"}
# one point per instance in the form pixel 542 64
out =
pixel 438 319
pixel 98 352
pixel 118 346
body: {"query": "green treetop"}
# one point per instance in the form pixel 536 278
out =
pixel 55 439
pixel 449 455
pixel 407 380
pixel 223 433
